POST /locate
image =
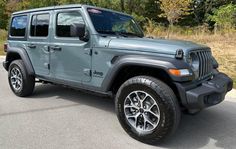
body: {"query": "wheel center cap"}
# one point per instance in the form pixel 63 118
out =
pixel 141 110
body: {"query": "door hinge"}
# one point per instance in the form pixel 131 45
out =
pixel 88 51
pixel 88 72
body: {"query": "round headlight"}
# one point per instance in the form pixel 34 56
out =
pixel 194 62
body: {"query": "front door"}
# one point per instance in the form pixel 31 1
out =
pixel 69 60
pixel 38 41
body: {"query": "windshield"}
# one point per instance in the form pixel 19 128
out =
pixel 107 22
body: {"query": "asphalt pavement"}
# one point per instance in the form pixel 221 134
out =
pixel 61 118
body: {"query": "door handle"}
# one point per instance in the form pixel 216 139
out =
pixel 32 46
pixel 56 48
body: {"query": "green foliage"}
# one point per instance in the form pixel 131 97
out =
pixel 175 10
pixel 225 16
pixel 3 35
pixel 3 16
pixel 181 12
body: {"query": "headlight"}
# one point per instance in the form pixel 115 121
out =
pixel 194 63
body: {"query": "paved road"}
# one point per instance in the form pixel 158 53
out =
pixel 56 117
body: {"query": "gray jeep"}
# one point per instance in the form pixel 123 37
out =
pixel 105 52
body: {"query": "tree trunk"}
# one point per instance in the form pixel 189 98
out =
pixel 169 31
pixel 122 5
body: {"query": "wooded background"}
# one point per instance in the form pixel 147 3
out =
pixel 220 13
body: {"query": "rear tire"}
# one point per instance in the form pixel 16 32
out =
pixel 158 102
pixel 21 83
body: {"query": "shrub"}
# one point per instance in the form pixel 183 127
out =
pixel 224 17
pixel 3 35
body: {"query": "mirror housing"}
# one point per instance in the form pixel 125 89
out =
pixel 79 30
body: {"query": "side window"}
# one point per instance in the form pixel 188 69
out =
pixel 39 25
pixel 64 22
pixel 18 26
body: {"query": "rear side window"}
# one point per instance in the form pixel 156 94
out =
pixel 39 25
pixel 64 22
pixel 18 26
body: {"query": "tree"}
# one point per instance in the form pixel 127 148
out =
pixel 175 10
pixel 203 8
pixel 224 16
pixel 3 16
pixel 122 5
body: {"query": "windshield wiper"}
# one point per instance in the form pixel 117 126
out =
pixel 124 34
pixel 112 33
pixel 121 34
pixel 130 34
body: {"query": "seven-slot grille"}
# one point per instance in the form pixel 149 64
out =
pixel 205 63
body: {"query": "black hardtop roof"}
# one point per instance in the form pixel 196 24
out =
pixel 48 8
pixel 61 7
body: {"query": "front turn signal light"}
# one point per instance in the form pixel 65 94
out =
pixel 180 72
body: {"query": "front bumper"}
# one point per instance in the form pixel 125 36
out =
pixel 207 93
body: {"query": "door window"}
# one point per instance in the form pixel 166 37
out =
pixel 39 25
pixel 64 22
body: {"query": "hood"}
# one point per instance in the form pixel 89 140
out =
pixel 162 46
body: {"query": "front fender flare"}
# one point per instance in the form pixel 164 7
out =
pixel 164 63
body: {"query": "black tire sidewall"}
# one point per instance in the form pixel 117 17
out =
pixel 27 80
pixel 14 65
pixel 166 112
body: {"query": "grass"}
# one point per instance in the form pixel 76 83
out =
pixel 1 47
pixel 3 36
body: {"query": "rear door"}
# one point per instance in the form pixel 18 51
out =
pixel 70 59
pixel 38 41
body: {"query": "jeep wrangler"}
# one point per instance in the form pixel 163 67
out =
pixel 105 52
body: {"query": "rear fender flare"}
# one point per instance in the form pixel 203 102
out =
pixel 21 52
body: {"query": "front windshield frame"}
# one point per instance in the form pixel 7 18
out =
pixel 136 29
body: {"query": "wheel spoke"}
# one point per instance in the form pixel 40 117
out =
pixel 146 120
pixel 144 98
pixel 131 106
pixel 135 117
pixel 14 84
pixel 151 107
pixel 154 114
pixel 13 72
pixel 139 99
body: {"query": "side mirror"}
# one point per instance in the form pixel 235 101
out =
pixel 78 30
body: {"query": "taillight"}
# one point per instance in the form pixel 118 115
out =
pixel 5 47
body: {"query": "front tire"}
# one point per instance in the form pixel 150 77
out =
pixel 147 109
pixel 21 83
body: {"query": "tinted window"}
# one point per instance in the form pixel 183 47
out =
pixel 108 22
pixel 64 22
pixel 39 25
pixel 18 26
